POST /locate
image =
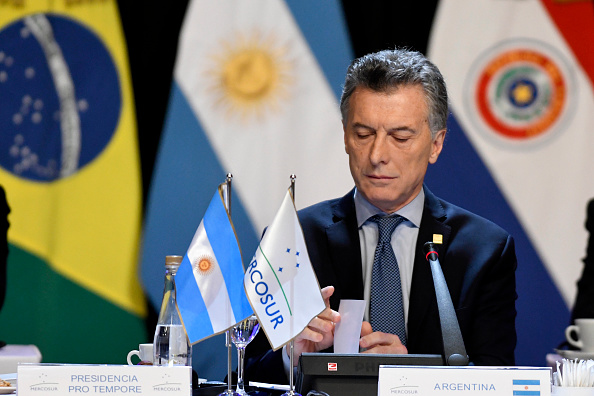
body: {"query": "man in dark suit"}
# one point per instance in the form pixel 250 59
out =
pixel 394 109
pixel 584 302
pixel 4 224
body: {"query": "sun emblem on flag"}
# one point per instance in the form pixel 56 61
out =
pixel 250 75
pixel 203 265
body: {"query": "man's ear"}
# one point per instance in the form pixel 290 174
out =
pixel 345 138
pixel 437 145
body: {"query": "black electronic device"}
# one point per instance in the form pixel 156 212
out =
pixel 351 374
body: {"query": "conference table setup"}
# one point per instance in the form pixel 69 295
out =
pixel 317 374
pixel 154 368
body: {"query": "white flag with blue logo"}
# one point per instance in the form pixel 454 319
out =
pixel 209 293
pixel 280 281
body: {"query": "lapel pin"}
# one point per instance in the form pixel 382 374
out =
pixel 437 238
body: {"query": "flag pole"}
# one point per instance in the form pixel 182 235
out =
pixel 228 342
pixel 291 391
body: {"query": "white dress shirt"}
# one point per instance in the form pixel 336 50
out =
pixel 404 241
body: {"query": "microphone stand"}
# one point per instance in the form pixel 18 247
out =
pixel 453 344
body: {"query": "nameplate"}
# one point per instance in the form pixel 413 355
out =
pixel 113 380
pixel 471 380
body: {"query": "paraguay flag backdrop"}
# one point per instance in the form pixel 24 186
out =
pixel 519 149
pixel 69 165
pixel 255 94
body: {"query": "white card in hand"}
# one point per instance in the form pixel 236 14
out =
pixel 348 330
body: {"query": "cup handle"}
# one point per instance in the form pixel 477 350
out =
pixel 130 354
pixel 569 336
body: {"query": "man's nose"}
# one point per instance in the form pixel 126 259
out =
pixel 379 150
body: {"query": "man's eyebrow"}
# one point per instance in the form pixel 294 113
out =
pixel 403 128
pixel 363 126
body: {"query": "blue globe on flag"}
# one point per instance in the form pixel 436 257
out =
pixel 60 96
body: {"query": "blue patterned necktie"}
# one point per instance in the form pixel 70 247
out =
pixel 386 312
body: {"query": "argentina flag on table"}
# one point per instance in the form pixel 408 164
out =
pixel 254 94
pixel 526 387
pixel 280 281
pixel 209 294
pixel 519 149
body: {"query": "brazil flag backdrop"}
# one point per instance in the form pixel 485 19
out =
pixel 69 165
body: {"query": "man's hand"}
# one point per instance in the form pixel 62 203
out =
pixel 319 333
pixel 378 342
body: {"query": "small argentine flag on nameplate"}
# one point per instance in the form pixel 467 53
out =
pixel 526 387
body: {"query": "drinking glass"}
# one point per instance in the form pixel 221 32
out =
pixel 241 335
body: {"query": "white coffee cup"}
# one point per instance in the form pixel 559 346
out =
pixel 572 391
pixel 584 332
pixel 144 353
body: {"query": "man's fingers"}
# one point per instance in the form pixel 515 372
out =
pixel 366 329
pixel 378 342
pixel 388 349
pixel 322 324
pixel 328 313
pixel 378 338
pixel 327 292
pixel 312 335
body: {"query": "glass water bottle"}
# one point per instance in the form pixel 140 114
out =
pixel 171 346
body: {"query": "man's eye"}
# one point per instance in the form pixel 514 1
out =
pixel 402 137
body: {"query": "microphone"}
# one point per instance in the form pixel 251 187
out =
pixel 453 344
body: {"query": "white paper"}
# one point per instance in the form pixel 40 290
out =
pixel 348 330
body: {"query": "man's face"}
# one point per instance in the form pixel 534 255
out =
pixel 389 144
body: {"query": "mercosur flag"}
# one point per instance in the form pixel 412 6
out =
pixel 519 75
pixel 209 280
pixel 280 282
pixel 69 163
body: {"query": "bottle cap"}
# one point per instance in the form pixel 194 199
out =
pixel 173 260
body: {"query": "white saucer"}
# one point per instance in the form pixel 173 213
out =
pixel 567 354
pixel 7 389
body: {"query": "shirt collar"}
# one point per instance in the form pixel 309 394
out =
pixel 413 211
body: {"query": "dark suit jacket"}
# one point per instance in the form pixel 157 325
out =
pixel 4 211
pixel 478 261
pixel 584 302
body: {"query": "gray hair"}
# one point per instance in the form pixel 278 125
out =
pixel 389 69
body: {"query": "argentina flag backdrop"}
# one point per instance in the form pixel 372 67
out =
pixel 255 94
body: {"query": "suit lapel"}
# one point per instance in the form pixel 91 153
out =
pixel 422 293
pixel 345 249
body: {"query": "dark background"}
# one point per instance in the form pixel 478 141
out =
pixel 152 28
